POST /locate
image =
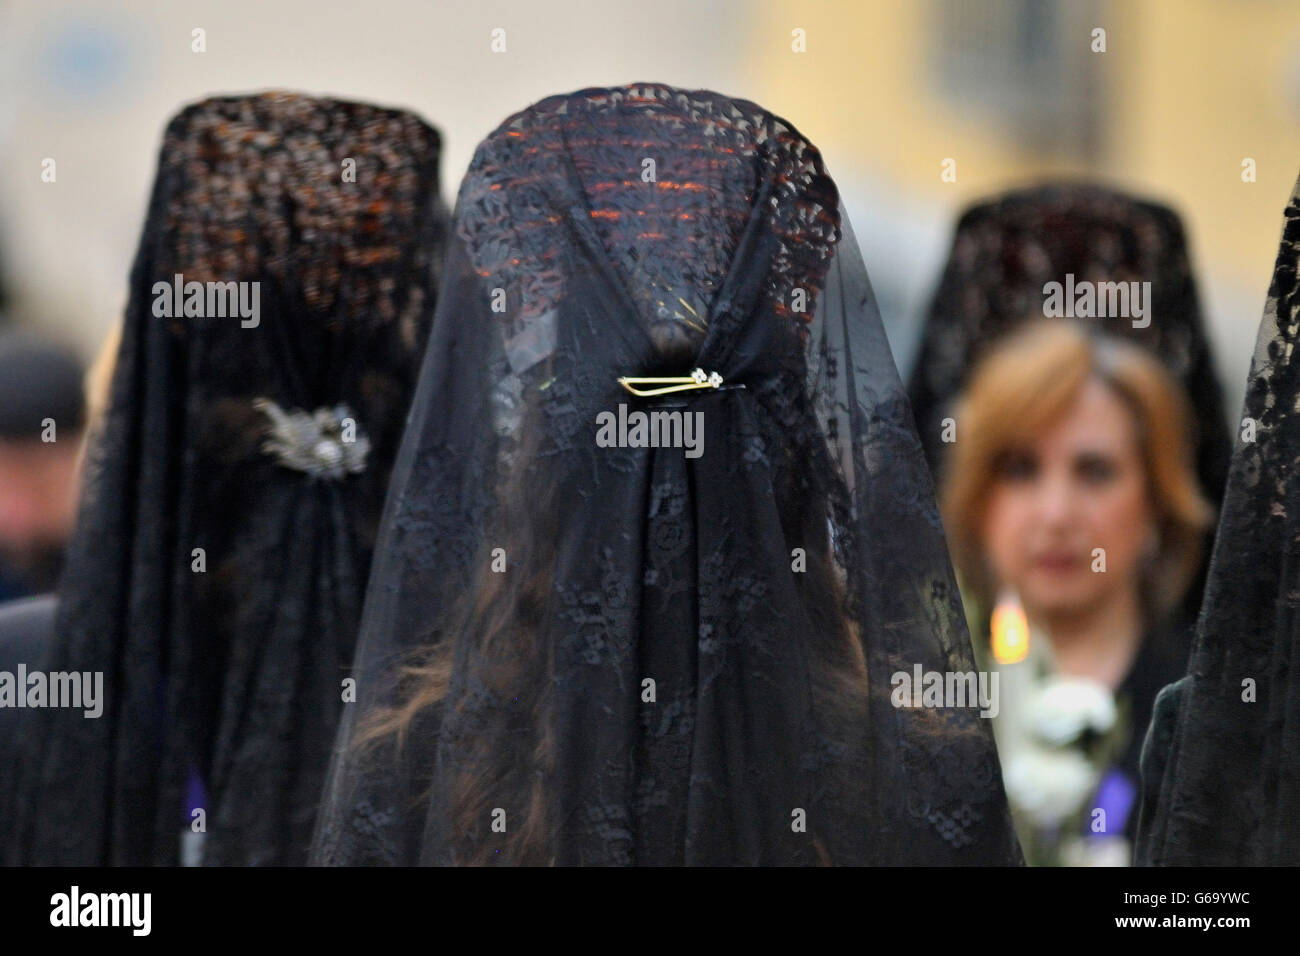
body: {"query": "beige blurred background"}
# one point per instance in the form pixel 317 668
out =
pixel 888 89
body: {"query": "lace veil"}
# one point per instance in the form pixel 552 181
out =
pixel 234 486
pixel 1007 249
pixel 1221 765
pixel 674 648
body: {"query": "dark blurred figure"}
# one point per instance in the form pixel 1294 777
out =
pixel 42 421
pixel 26 629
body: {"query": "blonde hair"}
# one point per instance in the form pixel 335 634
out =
pixel 1030 380
pixel 99 377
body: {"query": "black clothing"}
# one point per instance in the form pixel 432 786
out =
pixel 234 488
pixel 1222 760
pixel 768 586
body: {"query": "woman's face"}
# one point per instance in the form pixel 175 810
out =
pixel 1077 486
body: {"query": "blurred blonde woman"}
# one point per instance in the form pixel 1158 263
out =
pixel 1070 494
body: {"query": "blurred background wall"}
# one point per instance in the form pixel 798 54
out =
pixel 1010 89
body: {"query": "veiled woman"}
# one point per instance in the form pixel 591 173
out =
pixel 279 305
pixel 1221 763
pixel 1008 248
pixel 585 646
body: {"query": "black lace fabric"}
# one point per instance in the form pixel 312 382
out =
pixel 639 655
pixel 1221 775
pixel 227 665
pixel 1003 253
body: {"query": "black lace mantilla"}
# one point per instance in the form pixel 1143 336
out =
pixel 217 590
pixel 628 655
pixel 1221 765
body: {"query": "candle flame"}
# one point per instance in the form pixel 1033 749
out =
pixel 1010 631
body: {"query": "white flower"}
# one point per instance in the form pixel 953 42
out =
pixel 1065 707
pixel 1048 786
pixel 1097 851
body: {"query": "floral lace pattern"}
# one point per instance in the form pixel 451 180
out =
pixel 219 592
pixel 651 657
pixel 1219 767
pixel 1006 249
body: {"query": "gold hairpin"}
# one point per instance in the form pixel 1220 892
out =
pixel 678 383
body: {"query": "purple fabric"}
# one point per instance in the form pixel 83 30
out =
pixel 196 795
pixel 1116 797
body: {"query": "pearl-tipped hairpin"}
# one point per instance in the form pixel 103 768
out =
pixel 678 383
